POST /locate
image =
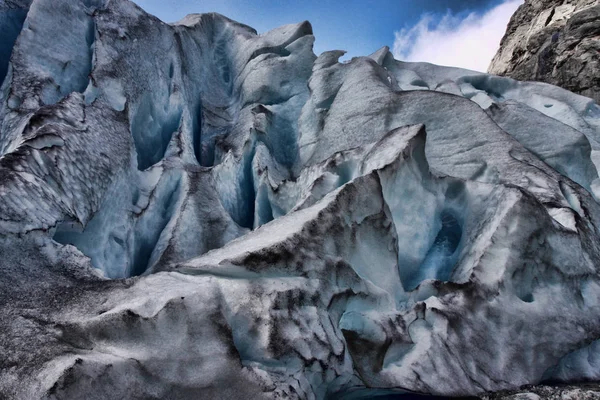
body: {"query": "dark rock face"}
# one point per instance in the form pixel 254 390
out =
pixel 553 41
pixel 583 391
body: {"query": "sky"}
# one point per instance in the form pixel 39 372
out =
pixel 461 33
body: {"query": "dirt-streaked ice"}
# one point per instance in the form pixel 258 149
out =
pixel 194 210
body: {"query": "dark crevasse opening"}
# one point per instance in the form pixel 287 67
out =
pixel 214 113
pixel 420 83
pixel 494 86
pixel 442 255
pixel 264 211
pixel 281 51
pixel 206 133
pixel 345 172
pixel 207 155
pixel 197 134
pixel 439 258
pixel 152 224
pixel 152 131
pixel 11 23
pixel 247 194
pixel 283 140
pixel 68 232
pixel 237 190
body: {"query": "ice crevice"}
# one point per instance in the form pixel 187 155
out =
pixel 152 129
pixel 151 226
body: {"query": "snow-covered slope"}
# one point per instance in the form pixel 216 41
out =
pixel 197 211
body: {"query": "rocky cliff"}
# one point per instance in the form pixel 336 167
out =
pixel 553 41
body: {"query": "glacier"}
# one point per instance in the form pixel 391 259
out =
pixel 197 210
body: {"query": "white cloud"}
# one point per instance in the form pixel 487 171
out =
pixel 467 43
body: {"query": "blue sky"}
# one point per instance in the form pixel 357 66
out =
pixel 417 30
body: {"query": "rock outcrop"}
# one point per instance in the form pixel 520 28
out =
pixel 194 210
pixel 581 391
pixel 553 41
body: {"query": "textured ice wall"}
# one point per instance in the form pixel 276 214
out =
pixel 195 210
